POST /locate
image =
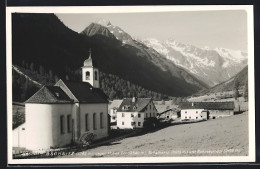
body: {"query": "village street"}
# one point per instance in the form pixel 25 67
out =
pixel 222 136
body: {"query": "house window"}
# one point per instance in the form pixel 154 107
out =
pixel 94 121
pixel 86 122
pixel 185 117
pixel 139 123
pixel 132 123
pixel 123 114
pixel 134 108
pixel 185 111
pixel 196 117
pixel 132 115
pixel 87 75
pixel 139 115
pixel 189 117
pixel 113 118
pixel 69 123
pixel 62 124
pixel 101 120
pixel 197 112
pixel 123 123
pixel 96 75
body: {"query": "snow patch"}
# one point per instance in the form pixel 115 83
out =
pixel 21 73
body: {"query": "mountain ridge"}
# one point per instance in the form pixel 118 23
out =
pixel 212 66
pixel 52 46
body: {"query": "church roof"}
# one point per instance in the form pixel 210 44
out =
pixel 49 94
pixel 88 62
pixel 136 106
pixel 83 92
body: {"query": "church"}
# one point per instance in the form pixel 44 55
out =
pixel 56 116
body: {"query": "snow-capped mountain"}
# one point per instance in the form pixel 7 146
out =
pixel 119 33
pixel 143 54
pixel 212 66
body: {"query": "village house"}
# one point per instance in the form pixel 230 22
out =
pixel 58 115
pixel 168 114
pixel 113 107
pixel 133 112
pixel 206 110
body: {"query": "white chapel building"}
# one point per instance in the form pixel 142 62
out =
pixel 58 115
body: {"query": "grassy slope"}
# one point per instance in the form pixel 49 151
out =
pixel 223 136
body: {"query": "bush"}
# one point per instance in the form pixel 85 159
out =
pixel 87 138
pixel 150 123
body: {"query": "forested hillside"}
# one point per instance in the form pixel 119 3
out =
pixel 45 49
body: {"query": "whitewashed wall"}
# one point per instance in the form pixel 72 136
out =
pixel 19 136
pixel 194 114
pixel 90 109
pixel 43 125
pixel 92 81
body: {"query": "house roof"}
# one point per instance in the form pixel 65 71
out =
pixel 207 105
pixel 139 104
pixel 85 92
pixel 115 104
pixel 49 94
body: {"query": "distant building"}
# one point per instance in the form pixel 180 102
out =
pixel 113 107
pixel 58 115
pixel 168 114
pixel 133 112
pixel 206 110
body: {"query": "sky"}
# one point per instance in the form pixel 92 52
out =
pixel 226 29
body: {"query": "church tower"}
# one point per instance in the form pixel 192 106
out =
pixel 90 74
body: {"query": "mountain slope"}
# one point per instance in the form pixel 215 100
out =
pixel 212 66
pixel 143 53
pixel 241 77
pixel 42 40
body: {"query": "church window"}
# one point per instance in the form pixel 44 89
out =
pixel 69 123
pixel 101 120
pixel 86 122
pixel 87 75
pixel 62 124
pixel 94 121
pixel 96 75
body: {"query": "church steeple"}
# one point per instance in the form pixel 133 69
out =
pixel 90 74
pixel 89 53
pixel 89 61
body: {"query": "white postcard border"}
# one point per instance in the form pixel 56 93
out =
pixel 133 9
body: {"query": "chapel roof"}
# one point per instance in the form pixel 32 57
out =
pixel 207 105
pixel 83 91
pixel 49 94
